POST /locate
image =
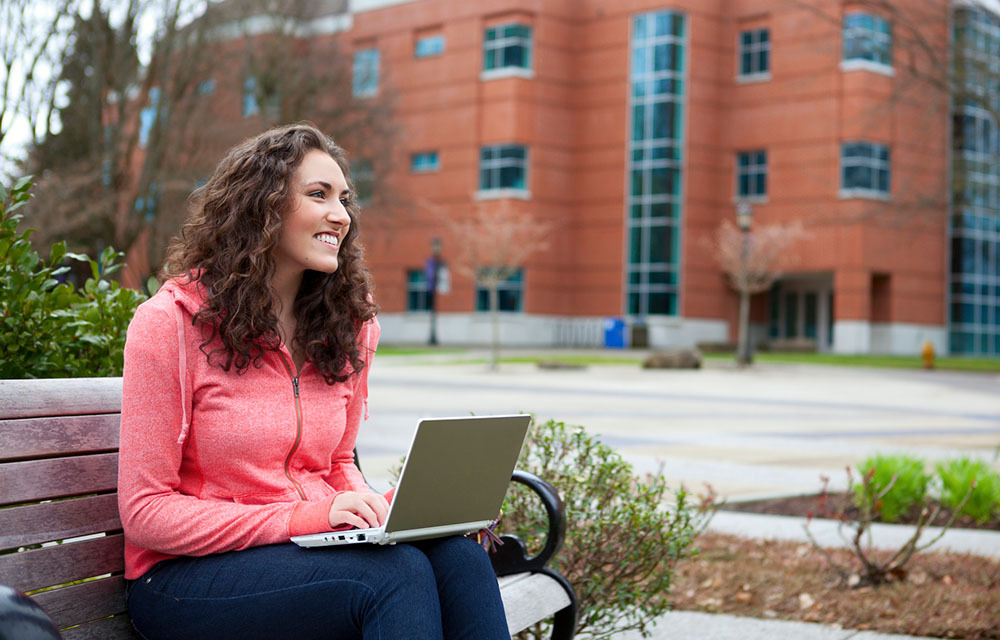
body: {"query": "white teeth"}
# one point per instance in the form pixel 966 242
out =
pixel 329 239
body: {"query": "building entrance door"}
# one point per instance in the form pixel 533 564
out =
pixel 802 308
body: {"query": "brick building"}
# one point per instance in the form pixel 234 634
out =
pixel 635 127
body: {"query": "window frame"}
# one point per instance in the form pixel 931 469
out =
pixel 513 284
pixel 874 163
pixel 495 166
pixel 499 45
pixel 752 170
pixel 431 167
pixel 754 49
pixel 417 290
pixel 365 72
pixel 434 52
pixel 363 175
pixel 871 38
pixel 251 105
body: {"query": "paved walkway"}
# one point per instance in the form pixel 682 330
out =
pixel 768 430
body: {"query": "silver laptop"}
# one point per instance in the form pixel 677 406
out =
pixel 453 481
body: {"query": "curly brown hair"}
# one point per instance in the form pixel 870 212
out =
pixel 226 247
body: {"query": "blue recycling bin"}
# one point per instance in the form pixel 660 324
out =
pixel 614 333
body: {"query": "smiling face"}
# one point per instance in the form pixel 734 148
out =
pixel 316 221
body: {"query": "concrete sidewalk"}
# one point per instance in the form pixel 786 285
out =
pixel 691 625
pixel 763 431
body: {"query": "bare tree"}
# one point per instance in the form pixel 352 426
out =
pixel 218 73
pixel 493 242
pixel 33 43
pixel 103 173
pixel 752 262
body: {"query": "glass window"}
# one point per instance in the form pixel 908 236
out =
pixel 363 177
pixel 865 167
pixel 867 37
pixel 755 52
pixel 503 167
pixel 510 293
pixel 655 163
pixel 207 87
pixel 428 46
pixel 147 116
pixel 251 106
pixel 366 72
pixel 424 162
pixel 416 290
pixel 751 174
pixel 507 46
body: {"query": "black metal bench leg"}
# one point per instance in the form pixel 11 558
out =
pixel 564 622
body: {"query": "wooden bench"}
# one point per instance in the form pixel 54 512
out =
pixel 58 477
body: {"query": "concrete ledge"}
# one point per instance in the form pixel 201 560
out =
pixel 774 527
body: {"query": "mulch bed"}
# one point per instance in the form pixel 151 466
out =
pixel 940 595
pixel 943 595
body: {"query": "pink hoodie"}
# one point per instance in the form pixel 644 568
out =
pixel 213 461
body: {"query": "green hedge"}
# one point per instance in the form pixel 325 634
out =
pixel 49 328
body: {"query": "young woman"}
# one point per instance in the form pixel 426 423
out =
pixel 245 383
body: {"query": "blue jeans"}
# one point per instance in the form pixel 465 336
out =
pixel 433 589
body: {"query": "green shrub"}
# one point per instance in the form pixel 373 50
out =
pixel 622 538
pixel 48 328
pixel 957 476
pixel 908 489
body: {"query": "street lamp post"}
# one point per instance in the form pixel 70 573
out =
pixel 431 271
pixel 744 219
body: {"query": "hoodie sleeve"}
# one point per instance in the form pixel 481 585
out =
pixel 155 515
pixel 344 473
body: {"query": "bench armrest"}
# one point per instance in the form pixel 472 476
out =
pixel 512 556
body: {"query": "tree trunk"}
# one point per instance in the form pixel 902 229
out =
pixel 495 325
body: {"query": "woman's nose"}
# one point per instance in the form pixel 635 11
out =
pixel 338 213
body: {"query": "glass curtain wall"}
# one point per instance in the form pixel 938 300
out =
pixel 653 214
pixel 974 313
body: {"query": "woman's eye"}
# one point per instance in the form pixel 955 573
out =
pixel 317 194
pixel 345 201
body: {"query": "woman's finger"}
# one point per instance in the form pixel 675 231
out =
pixel 341 517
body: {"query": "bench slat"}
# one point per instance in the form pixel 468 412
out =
pixel 119 628
pixel 34 480
pixel 528 598
pixel 62 563
pixel 58 436
pixel 37 523
pixel 84 602
pixel 59 397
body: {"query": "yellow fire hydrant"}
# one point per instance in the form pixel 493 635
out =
pixel 928 354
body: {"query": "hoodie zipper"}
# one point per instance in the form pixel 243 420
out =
pixel 298 428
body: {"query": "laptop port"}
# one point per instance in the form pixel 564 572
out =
pixel 361 537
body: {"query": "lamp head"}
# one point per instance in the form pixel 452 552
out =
pixel 744 216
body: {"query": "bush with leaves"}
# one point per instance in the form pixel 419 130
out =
pixel 856 530
pixel 900 480
pixel 963 476
pixel 624 534
pixel 48 328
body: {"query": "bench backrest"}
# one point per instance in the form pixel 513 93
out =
pixel 59 524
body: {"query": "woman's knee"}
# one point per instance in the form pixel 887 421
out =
pixel 458 552
pixel 407 565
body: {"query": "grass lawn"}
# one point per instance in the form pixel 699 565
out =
pixel 945 363
pixel 630 357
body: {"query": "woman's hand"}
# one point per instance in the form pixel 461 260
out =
pixel 357 509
